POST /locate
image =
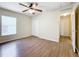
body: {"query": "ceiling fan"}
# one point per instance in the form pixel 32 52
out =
pixel 32 6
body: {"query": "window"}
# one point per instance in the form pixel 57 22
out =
pixel 8 25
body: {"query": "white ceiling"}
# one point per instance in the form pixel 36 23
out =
pixel 45 6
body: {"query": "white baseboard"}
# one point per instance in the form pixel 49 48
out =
pixel 14 39
pixel 51 39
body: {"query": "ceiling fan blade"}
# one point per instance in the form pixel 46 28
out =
pixel 38 10
pixel 30 7
pixel 25 10
pixel 23 5
pixel 31 4
pixel 36 4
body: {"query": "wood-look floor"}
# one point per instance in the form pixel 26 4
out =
pixel 37 47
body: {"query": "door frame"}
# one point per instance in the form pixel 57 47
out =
pixel 73 25
pixel 76 24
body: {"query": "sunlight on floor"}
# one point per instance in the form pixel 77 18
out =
pixel 9 51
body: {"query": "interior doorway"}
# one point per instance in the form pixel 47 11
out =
pixel 65 26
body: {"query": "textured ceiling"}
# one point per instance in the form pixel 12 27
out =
pixel 45 6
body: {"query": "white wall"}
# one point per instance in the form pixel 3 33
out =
pixel 24 25
pixel 46 26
